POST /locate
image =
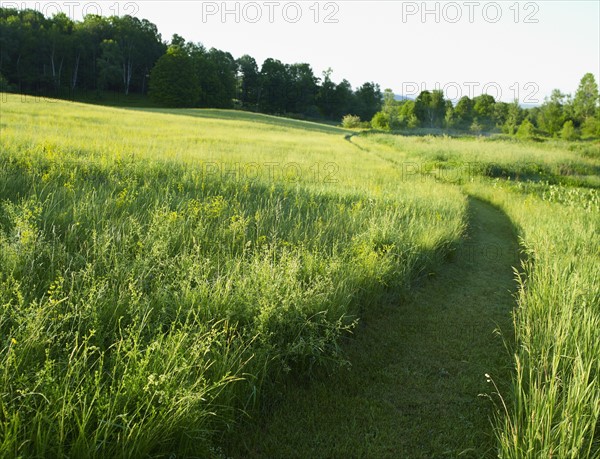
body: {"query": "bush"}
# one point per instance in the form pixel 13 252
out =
pixel 381 121
pixel 351 122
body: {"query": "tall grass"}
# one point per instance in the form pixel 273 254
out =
pixel 149 299
pixel 554 408
pixel 550 192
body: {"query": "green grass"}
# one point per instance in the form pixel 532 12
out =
pixel 167 276
pixel 418 365
pixel 554 404
pixel 550 192
pixel 152 289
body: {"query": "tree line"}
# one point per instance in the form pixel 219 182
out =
pixel 188 75
pixel 561 115
pixel 60 57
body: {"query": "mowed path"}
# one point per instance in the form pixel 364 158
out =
pixel 418 366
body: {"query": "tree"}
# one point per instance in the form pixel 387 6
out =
pixel 514 118
pixel 449 117
pixel 90 35
pixel 351 122
pixel 551 117
pixel 430 108
pixel 387 118
pixel 367 100
pixel 59 45
pixel 526 130
pixel 273 86
pixel 343 100
pixel 500 114
pixel 217 73
pixel 109 71
pixel 24 48
pixel 173 80
pixel 463 112
pixel 248 81
pixel 407 115
pixel 381 121
pixel 483 109
pixel 302 90
pixel 326 96
pixel 476 127
pixel 568 131
pixel 139 46
pixel 389 101
pixel 586 99
pixel 591 127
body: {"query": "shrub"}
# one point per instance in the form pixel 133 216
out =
pixel 381 121
pixel 351 122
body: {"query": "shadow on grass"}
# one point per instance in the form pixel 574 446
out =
pixel 418 366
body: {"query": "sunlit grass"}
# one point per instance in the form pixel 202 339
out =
pixel 553 407
pixel 161 271
pixel 150 287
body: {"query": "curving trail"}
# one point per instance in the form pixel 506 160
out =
pixel 417 367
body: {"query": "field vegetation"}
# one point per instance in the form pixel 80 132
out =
pixel 160 270
pixel 163 273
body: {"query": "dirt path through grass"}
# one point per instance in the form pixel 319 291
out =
pixel 417 367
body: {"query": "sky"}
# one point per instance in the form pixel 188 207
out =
pixel 508 49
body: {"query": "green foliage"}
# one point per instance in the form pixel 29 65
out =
pixel 56 56
pixel 551 116
pixel 149 300
pixel 568 131
pixel 590 129
pixel 351 121
pixel 526 130
pixel 174 81
pixel 380 121
pixel 586 100
pixel 514 118
pixel 4 85
pixel 483 109
pixel 476 127
pixel 464 112
pixel 216 72
pixel 430 108
pixel 248 81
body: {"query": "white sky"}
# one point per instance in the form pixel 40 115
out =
pixel 391 43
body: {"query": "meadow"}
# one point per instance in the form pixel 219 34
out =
pixel 160 270
pixel 163 272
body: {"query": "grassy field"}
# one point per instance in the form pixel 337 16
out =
pixel 412 391
pixel 166 276
pixel 160 272
pixel 550 192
